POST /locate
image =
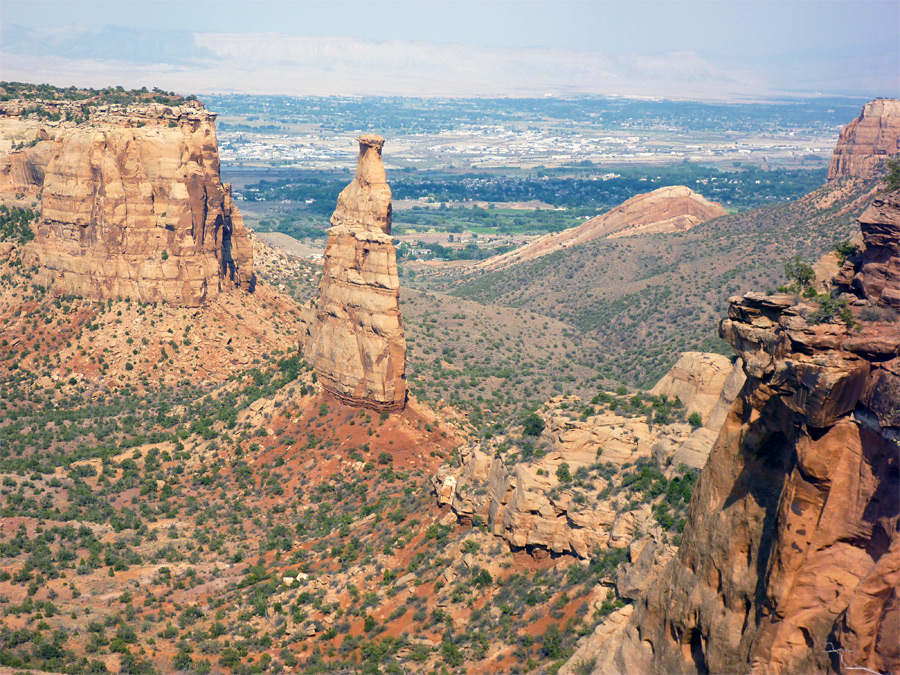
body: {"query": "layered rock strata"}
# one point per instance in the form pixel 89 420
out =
pixel 526 503
pixel 867 141
pixel 874 274
pixel 791 556
pixel 131 203
pixel 674 208
pixel 356 340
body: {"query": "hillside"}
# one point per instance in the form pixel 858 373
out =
pixel 792 534
pixel 644 299
pixel 669 209
pixel 202 469
pixel 491 363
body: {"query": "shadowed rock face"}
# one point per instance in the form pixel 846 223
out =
pixel 867 141
pixel 791 556
pixel 132 205
pixel 356 335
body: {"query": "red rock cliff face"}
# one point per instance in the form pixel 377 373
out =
pixel 356 340
pixel 131 205
pixel 867 141
pixel 790 561
pixel 875 273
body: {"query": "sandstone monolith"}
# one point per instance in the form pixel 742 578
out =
pixel 131 202
pixel 356 340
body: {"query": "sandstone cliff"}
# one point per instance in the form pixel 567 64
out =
pixel 131 201
pixel 791 555
pixel 669 209
pixel 356 339
pixel 867 141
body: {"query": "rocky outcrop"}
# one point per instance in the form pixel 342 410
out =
pixel 707 384
pixel 697 380
pixel 532 505
pixel 789 562
pixel 356 340
pixel 867 141
pixel 131 203
pixel 674 208
pixel 875 273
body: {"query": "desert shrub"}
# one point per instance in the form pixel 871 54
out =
pixel 532 425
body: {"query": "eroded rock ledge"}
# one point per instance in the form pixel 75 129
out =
pixel 131 201
pixel 356 339
pixel 525 502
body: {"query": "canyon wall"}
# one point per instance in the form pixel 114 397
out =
pixel 356 340
pixel 790 560
pixel 131 202
pixel 868 141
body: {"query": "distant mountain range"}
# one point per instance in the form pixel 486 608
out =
pixel 272 63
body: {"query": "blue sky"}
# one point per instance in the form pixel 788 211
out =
pixel 834 47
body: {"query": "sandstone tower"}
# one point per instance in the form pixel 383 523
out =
pixel 356 338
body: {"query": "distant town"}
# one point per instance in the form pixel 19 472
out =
pixel 526 133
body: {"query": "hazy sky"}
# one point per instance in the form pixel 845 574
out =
pixel 835 47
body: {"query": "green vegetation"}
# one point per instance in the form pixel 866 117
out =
pixel 892 179
pixel 574 193
pixel 106 96
pixel 845 250
pixel 15 224
pixel 800 274
pixel 532 425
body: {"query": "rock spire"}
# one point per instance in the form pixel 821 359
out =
pixel 356 338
